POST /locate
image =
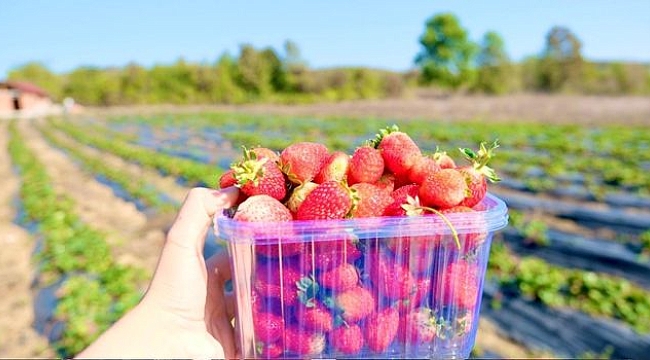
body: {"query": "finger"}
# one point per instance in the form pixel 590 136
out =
pixel 220 261
pixel 195 216
pixel 219 321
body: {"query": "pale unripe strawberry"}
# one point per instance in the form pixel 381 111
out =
pixel 302 161
pixel 443 189
pixel 335 168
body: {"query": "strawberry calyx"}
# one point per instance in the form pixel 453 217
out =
pixel 380 136
pixel 249 169
pixel 414 208
pixel 307 290
pixel 480 158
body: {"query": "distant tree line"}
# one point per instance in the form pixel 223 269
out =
pixel 449 61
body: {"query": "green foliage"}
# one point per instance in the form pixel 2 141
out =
pixel 445 59
pixel 38 73
pixel 95 290
pixel 560 67
pixel 495 73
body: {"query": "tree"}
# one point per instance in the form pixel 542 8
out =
pixel 447 54
pixel 40 75
pixel 495 72
pixel 254 72
pixel 560 67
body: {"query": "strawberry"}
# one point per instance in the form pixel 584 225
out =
pixel 259 176
pixel 400 197
pixel 262 208
pixel 262 152
pixel 303 160
pixel 443 160
pixel 277 280
pixel 390 279
pixel 341 278
pixel 372 201
pixel 397 148
pixel 366 165
pixel 330 200
pixel 419 298
pixel 381 329
pixel 469 240
pixel 227 179
pixel 417 327
pixel 443 189
pixel 355 304
pixel 303 342
pixel 335 168
pixel 458 285
pixel 347 339
pixel 299 194
pixel 478 173
pixel 422 168
pixel 268 327
pixel 317 318
pixel 386 182
pixel 328 254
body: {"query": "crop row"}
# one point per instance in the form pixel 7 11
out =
pixel 137 189
pixel 594 293
pixel 607 158
pixel 192 172
pixel 94 290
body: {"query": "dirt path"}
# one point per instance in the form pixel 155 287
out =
pixel 125 227
pixel 165 184
pixel 18 339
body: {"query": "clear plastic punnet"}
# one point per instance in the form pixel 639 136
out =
pixel 386 287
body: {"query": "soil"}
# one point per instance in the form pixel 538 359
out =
pixel 136 237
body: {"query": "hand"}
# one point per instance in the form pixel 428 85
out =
pixel 185 313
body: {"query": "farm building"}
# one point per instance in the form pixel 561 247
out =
pixel 18 95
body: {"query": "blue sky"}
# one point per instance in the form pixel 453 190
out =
pixel 64 34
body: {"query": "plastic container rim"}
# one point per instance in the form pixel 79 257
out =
pixel 493 217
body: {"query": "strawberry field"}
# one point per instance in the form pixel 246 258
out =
pixel 568 277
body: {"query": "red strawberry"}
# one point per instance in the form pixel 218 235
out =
pixel 330 200
pixel 355 304
pixel 372 201
pixel 443 189
pixel 259 176
pixel 302 161
pixel 268 327
pixel 397 148
pixel 478 173
pixel 422 293
pixel 347 339
pixel 417 327
pixel 335 168
pixel 317 318
pixel 422 168
pixel 443 160
pixel 381 329
pixel 227 179
pixel 401 197
pixel 277 280
pixel 299 194
pixel 341 278
pixel 328 254
pixel 366 165
pixel 303 342
pixel 458 285
pixel 391 279
pixel 262 152
pixel 269 351
pixel 386 182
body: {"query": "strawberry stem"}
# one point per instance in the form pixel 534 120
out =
pixel 480 159
pixel 382 132
pixel 413 208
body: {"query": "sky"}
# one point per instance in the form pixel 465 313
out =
pixel 66 34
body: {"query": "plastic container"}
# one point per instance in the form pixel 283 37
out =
pixel 390 287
